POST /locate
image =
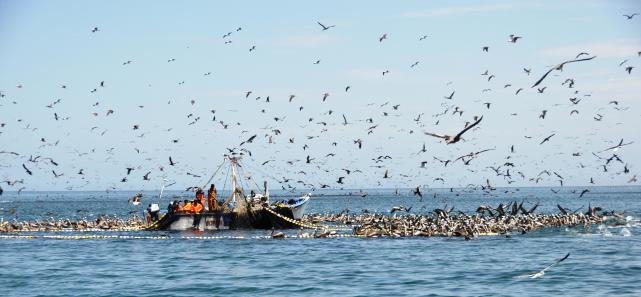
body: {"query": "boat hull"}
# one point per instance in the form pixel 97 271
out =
pixel 282 216
pixel 204 221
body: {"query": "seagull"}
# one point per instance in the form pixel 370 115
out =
pixel 325 28
pixel 27 169
pixel 629 17
pixel 95 29
pixel 547 138
pixel 454 139
pixel 380 39
pixel 417 191
pixel 400 208
pixel 542 272
pixel 171 162
pixel 359 142
pixel 250 140
pixel 560 67
pixel 514 38
pixel 617 146
pixel 450 96
pixel 583 192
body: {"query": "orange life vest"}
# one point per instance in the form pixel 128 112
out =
pixel 198 208
pixel 188 207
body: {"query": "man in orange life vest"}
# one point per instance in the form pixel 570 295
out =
pixel 188 207
pixel 211 198
pixel 198 208
pixel 200 196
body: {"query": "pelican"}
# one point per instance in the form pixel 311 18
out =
pixel 454 139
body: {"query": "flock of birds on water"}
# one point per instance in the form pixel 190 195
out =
pixel 294 174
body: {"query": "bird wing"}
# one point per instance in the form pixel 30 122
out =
pixel 469 127
pixel 557 262
pixel 578 60
pixel 558 66
pixel 543 77
pixel 435 135
pixel 321 25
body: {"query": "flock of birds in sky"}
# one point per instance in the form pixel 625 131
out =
pixel 292 173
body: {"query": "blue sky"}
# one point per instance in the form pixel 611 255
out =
pixel 46 44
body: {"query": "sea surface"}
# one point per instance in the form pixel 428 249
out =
pixel 604 260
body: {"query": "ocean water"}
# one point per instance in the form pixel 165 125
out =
pixel 604 260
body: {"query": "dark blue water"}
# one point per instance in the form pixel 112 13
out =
pixel 604 261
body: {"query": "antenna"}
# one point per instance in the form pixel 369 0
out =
pixel 162 187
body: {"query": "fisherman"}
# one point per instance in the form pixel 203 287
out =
pixel 212 204
pixel 172 206
pixel 198 208
pixel 188 207
pixel 200 196
pixel 153 210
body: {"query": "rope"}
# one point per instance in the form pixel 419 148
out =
pixel 212 176
pixel 303 225
pixel 126 229
pixel 164 237
pixel 250 175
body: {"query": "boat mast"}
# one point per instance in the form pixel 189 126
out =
pixel 266 190
pixel 236 192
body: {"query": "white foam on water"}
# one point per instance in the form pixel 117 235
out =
pixel 604 231
pixel 625 232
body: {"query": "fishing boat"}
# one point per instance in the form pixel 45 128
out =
pixel 239 210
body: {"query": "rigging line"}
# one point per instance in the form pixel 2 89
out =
pixel 225 187
pixel 264 174
pixel 245 181
pixel 212 176
pixel 250 177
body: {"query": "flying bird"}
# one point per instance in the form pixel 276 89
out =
pixel 560 67
pixel 249 140
pixel 27 169
pixel 547 138
pixel 450 96
pixel 513 38
pixel 325 28
pixel 454 139
pixel 542 272
pixel 620 144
